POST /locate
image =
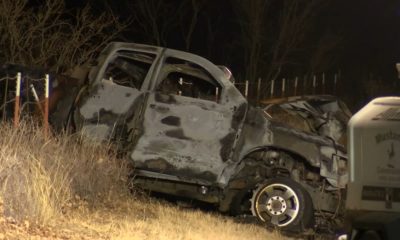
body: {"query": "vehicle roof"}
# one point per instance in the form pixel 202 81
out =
pixel 125 45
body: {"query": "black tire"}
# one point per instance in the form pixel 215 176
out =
pixel 241 202
pixel 283 203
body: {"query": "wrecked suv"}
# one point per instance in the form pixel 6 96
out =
pixel 191 133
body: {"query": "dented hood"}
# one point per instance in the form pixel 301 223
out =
pixel 323 115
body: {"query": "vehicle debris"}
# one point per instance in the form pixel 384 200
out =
pixel 189 132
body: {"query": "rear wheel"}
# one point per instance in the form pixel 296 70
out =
pixel 283 203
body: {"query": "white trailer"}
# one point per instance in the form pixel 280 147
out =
pixel 373 193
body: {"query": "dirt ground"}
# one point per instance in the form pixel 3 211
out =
pixel 135 219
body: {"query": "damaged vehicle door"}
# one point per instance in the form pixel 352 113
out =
pixel 190 133
pixel 115 96
pixel 189 124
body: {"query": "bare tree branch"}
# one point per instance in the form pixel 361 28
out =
pixel 271 36
pixel 189 13
pixel 50 36
pixel 154 19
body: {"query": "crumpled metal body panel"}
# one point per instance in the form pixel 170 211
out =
pixel 105 108
pixel 320 147
pixel 323 115
pixel 183 136
pixel 108 106
pixel 186 138
pixel 172 135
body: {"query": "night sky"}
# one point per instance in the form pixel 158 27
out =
pixel 371 30
pixel 372 34
pixel 366 55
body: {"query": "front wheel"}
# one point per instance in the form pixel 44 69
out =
pixel 283 203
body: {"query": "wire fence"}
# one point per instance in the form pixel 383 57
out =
pixel 23 96
pixel 286 87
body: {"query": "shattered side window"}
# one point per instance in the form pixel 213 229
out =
pixel 183 78
pixel 129 69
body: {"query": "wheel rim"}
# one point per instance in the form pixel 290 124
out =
pixel 276 203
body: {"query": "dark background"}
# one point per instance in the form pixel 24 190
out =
pixel 361 38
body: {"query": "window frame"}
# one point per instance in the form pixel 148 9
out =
pixel 115 54
pixel 163 74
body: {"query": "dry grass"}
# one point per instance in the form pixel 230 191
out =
pixel 41 177
pixel 65 187
pixel 143 219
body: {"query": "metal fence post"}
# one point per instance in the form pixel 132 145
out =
pixel 46 106
pixel 314 83
pixel 258 89
pixel 17 101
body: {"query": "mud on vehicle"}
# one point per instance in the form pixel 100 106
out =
pixel 189 132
